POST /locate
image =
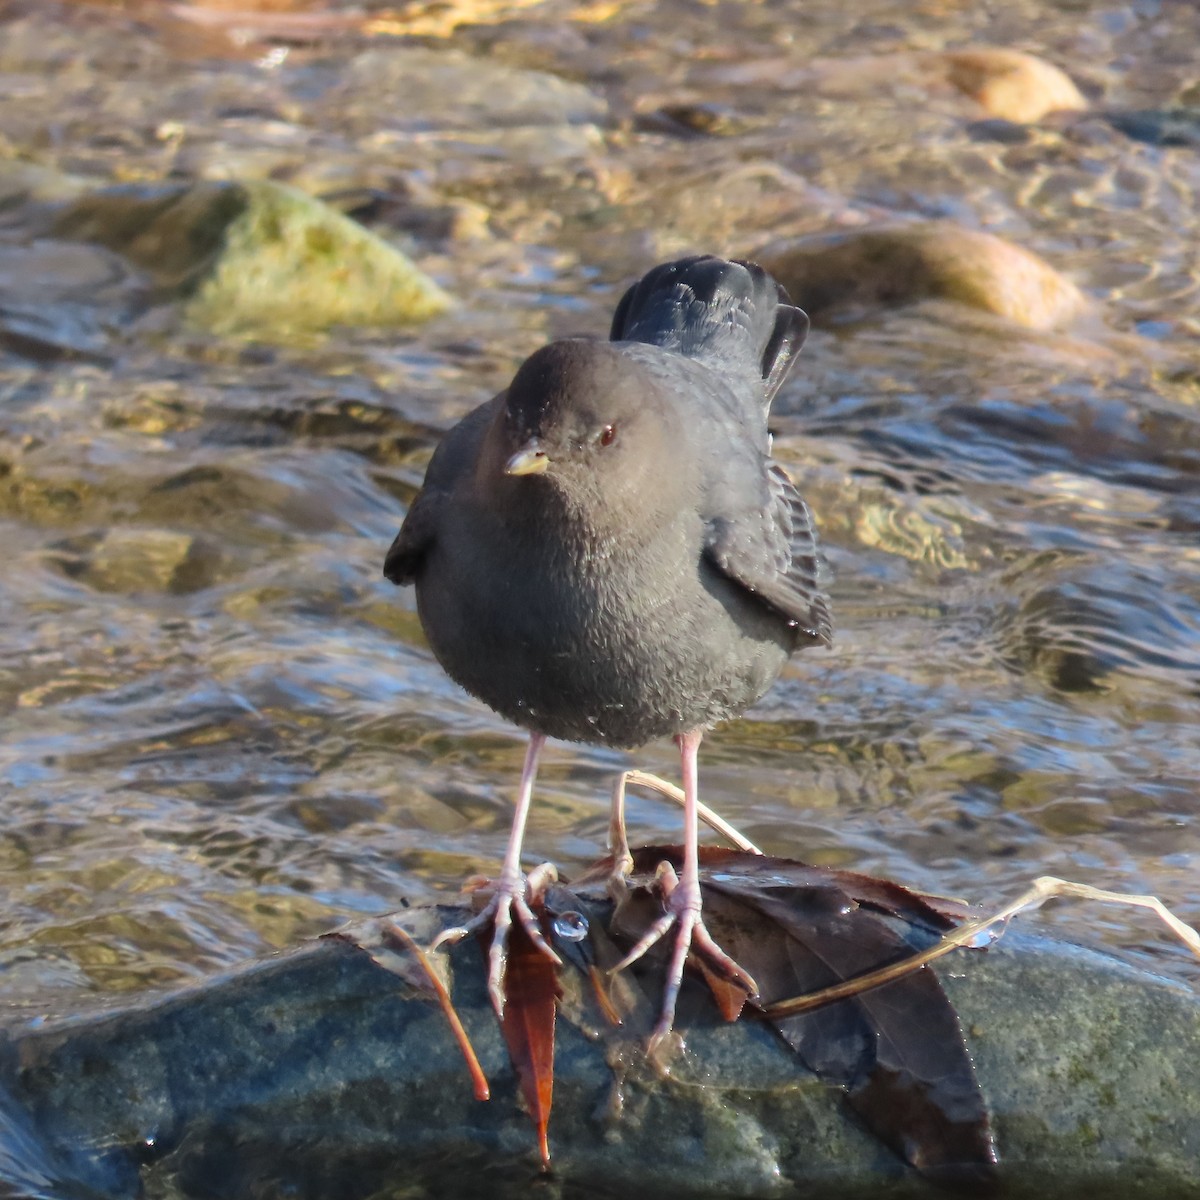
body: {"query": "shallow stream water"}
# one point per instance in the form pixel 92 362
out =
pixel 222 731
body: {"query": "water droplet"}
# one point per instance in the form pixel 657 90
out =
pixel 985 937
pixel 571 926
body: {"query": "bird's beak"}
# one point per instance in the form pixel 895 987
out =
pixel 529 460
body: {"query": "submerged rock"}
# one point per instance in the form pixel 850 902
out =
pixel 886 266
pixel 411 88
pixel 318 1073
pixel 1159 127
pixel 255 257
pixel 22 181
pixel 135 560
pixel 62 302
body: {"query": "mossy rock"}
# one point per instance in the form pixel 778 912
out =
pixel 256 258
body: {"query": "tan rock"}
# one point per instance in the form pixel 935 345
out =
pixel 892 265
pixel 1010 84
pixel 1005 83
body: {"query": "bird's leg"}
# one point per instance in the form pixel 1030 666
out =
pixel 508 891
pixel 682 897
pixel 618 838
pixel 655 784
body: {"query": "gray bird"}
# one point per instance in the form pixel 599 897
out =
pixel 605 552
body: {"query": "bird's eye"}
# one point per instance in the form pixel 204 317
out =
pixel 608 435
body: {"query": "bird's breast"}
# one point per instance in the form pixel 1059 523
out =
pixel 614 638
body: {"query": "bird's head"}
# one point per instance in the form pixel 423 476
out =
pixel 585 417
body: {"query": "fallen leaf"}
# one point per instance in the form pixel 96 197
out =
pixel 530 995
pixel 896 1049
pixel 730 997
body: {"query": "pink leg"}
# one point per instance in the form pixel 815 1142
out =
pixel 683 902
pixel 508 893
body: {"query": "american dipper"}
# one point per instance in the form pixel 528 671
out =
pixel 605 552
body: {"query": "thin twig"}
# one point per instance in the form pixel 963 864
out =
pixel 1045 888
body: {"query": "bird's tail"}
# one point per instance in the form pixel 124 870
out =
pixel 708 307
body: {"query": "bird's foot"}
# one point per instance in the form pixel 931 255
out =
pixel 682 899
pixel 512 898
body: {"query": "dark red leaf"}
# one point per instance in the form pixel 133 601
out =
pixel 730 997
pixel 530 993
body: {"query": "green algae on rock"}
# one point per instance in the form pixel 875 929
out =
pixel 891 265
pixel 255 257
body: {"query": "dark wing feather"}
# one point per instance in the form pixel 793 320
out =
pixel 416 536
pixel 452 462
pixel 787 339
pixel 772 552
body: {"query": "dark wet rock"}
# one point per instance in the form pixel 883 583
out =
pixel 1159 127
pixel 418 217
pixel 317 1073
pixel 996 129
pixel 1181 514
pixel 61 301
pixel 857 271
pixel 255 257
pixel 684 117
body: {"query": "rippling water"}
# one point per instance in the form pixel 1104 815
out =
pixel 221 729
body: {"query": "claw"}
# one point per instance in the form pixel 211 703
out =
pixel 683 913
pixel 508 900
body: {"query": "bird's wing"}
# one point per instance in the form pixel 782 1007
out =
pixel 771 550
pixel 454 459
pixel 416 536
